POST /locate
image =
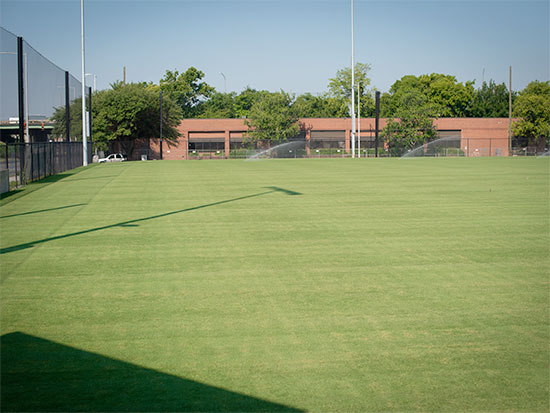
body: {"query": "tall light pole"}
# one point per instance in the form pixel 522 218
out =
pixel 83 83
pixel 352 89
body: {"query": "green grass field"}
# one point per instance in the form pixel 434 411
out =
pixel 280 285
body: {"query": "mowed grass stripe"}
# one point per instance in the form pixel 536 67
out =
pixel 384 285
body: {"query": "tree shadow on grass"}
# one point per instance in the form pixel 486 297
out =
pixel 41 375
pixel 133 222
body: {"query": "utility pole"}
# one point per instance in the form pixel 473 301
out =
pixel 124 75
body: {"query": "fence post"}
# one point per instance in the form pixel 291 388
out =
pixel 67 108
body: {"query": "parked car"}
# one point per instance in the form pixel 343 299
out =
pixel 114 157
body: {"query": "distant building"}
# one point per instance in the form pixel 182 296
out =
pixel 220 138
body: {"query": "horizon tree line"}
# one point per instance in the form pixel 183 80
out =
pixel 129 111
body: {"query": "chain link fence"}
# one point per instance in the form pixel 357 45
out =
pixel 28 162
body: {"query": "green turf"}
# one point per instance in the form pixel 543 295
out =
pixel 318 285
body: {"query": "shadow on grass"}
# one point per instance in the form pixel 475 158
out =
pixel 284 191
pixel 133 222
pixel 41 375
pixel 6 195
pixel 10 196
pixel 40 210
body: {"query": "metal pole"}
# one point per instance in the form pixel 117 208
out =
pixel 377 115
pixel 84 139
pixel 352 89
pixel 90 113
pixel 160 125
pixel 359 120
pixel 27 135
pixel 67 108
pixel 510 115
pixel 20 87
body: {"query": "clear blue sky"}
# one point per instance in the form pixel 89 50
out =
pixel 294 45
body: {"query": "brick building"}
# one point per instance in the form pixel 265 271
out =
pixel 221 137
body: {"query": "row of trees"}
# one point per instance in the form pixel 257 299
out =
pixel 446 96
pixel 130 111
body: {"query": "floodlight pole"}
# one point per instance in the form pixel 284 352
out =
pixel 83 84
pixel 352 89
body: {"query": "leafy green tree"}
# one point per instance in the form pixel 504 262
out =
pixel 339 88
pixel 448 97
pixel 245 100
pixel 491 101
pixel 340 85
pixel 219 106
pixel 187 90
pixel 60 121
pixel 414 124
pixel 123 114
pixel 129 112
pixel 451 98
pixel 272 117
pixel 322 106
pixel 533 108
